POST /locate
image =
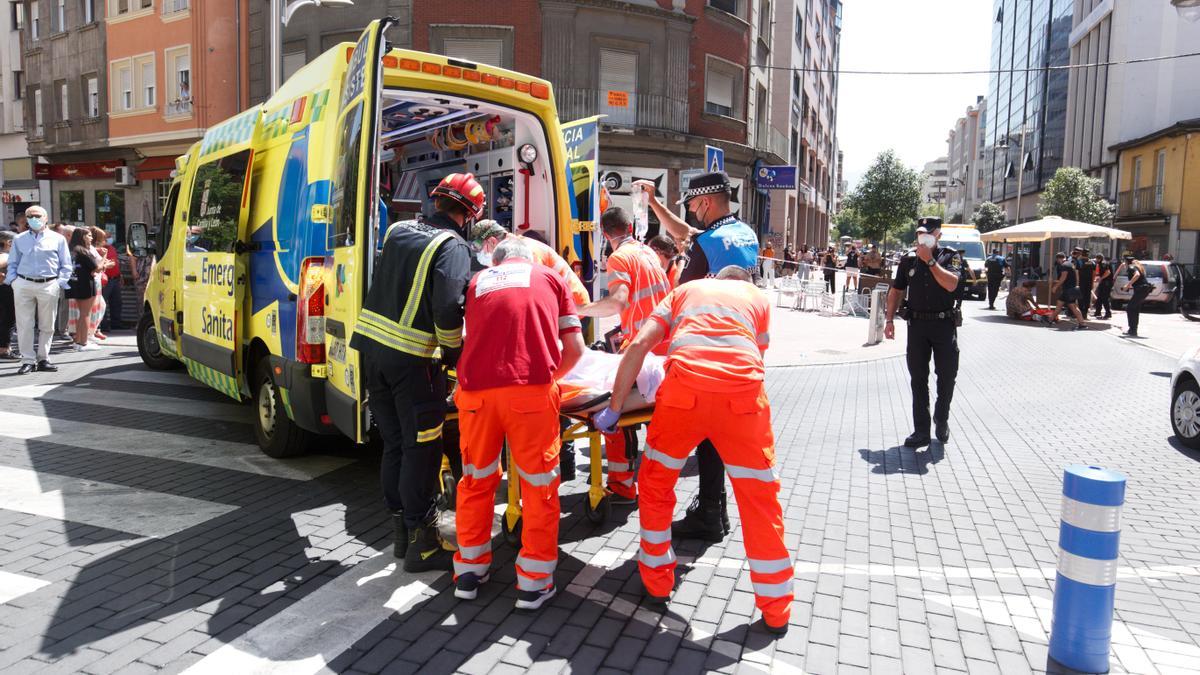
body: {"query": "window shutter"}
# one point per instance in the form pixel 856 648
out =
pixel 488 52
pixel 618 71
pixel 719 89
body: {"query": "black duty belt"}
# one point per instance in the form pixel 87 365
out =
pixel 931 316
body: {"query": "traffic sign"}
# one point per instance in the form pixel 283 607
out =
pixel 714 159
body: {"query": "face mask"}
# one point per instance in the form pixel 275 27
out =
pixel 36 224
pixel 484 258
pixel 927 240
pixel 193 238
pixel 110 240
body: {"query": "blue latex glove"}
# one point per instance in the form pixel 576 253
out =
pixel 606 420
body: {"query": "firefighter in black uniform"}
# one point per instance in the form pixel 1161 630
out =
pixel 409 332
pixel 926 280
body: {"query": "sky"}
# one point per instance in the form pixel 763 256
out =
pixel 910 114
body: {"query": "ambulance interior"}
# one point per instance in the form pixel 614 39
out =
pixel 425 136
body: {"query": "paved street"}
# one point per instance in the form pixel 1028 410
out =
pixel 141 530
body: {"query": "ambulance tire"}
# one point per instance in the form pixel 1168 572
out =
pixel 277 435
pixel 149 348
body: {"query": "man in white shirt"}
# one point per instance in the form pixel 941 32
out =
pixel 39 267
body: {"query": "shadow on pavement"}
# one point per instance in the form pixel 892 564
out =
pixel 1191 453
pixel 903 459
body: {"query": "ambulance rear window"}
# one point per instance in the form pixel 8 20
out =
pixel 217 202
pixel 345 188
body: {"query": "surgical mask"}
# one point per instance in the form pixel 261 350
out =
pixel 193 238
pixel 484 258
pixel 927 240
pixel 111 240
pixel 36 224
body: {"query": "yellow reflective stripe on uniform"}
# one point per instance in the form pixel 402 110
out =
pixel 716 310
pixel 647 292
pixel 712 341
pixel 389 340
pixel 405 332
pixel 418 287
pixel 619 276
pixel 450 338
pixel 430 434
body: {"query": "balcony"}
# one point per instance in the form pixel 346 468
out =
pixel 646 111
pixel 178 108
pixel 1147 201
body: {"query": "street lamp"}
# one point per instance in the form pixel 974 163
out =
pixel 281 14
pixel 1189 10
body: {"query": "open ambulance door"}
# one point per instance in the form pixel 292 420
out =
pixel 355 218
pixel 214 271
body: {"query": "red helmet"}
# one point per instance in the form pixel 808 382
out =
pixel 464 189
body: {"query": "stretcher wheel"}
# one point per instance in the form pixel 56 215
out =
pixel 600 513
pixel 449 494
pixel 511 535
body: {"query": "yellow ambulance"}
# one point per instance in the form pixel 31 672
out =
pixel 274 220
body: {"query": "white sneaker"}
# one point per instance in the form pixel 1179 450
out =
pixel 87 348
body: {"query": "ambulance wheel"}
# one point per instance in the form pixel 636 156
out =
pixel 278 436
pixel 512 536
pixel 449 491
pixel 149 348
pixel 598 515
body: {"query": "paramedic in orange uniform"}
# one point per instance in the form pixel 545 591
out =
pixel 516 312
pixel 716 331
pixel 488 234
pixel 636 284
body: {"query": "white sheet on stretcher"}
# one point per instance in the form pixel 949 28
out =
pixel 596 372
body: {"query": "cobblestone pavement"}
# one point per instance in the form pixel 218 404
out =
pixel 141 530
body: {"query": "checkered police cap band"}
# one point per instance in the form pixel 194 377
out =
pixel 701 191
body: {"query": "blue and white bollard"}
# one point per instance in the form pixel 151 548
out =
pixel 1086 583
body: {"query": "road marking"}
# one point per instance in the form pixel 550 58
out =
pixel 178 377
pixel 228 412
pixel 15 585
pixel 107 505
pixel 309 634
pixel 159 445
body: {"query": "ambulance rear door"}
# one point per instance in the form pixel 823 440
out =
pixel 214 268
pixel 355 215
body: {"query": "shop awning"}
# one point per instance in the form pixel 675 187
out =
pixel 156 168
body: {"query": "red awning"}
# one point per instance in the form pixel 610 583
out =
pixel 156 168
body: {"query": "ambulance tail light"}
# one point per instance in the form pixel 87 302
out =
pixel 310 312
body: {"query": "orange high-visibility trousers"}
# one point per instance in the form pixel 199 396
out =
pixel 620 467
pixel 739 425
pixel 527 415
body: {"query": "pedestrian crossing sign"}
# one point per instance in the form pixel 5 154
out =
pixel 714 159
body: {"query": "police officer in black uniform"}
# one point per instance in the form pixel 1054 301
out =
pixel 925 281
pixel 1087 276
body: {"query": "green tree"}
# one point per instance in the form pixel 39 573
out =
pixel 887 198
pixel 1074 195
pixel 988 217
pixel 849 223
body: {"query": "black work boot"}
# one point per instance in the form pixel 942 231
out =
pixel 942 431
pixel 399 534
pixel 917 439
pixel 428 550
pixel 702 521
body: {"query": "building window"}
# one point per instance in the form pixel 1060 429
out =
pixel 64 110
pixel 146 83
pixel 119 7
pixel 799 30
pixel 110 210
pixel 722 86
pixel 760 132
pixel 179 80
pixel 18 84
pixel 764 21
pixel 122 74
pixel 729 6
pixel 60 15
pixel 796 85
pixel 173 6
pixel 70 207
pixel 18 16
pixel 39 129
pixel 35 21
pixel 89 11
pixel 486 51
pixel 794 149
pixel 91 95
pixel 618 86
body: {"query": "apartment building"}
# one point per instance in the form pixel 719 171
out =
pixel 18 188
pixel 965 169
pixel 935 182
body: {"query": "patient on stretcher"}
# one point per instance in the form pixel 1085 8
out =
pixel 588 387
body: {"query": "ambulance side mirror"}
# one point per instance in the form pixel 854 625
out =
pixel 139 239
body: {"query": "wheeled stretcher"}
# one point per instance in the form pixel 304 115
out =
pixel 579 402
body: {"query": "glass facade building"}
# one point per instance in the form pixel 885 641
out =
pixel 1027 35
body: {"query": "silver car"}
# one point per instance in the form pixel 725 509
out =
pixel 1167 278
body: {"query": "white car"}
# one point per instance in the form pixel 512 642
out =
pixel 1185 399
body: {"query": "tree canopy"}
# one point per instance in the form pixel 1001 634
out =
pixel 849 223
pixel 1074 195
pixel 988 217
pixel 887 198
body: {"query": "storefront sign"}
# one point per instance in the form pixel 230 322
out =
pixel 18 195
pixel 775 178
pixel 79 170
pixel 618 99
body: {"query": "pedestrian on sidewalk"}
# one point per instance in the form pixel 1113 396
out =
pixel 717 330
pixel 516 313
pixel 852 268
pixel 723 242
pixel 40 269
pixel 807 259
pixel 1104 286
pixel 994 266
pixel 1066 287
pixel 100 306
pixel 1087 276
pixel 925 280
pixel 83 289
pixel 111 319
pixel 768 264
pixel 872 264
pixel 829 265
pixel 1136 274
pixel 791 263
pixel 8 312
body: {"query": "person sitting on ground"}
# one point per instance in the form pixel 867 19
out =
pixel 1021 304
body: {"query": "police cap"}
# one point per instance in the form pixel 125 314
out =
pixel 706 184
pixel 930 223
